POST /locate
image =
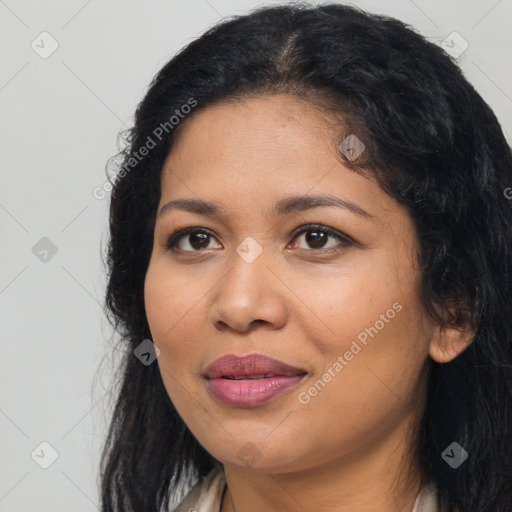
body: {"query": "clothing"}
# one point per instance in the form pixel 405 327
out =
pixel 206 495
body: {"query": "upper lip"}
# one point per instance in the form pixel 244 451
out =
pixel 250 366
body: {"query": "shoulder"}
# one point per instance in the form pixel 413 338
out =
pixel 206 494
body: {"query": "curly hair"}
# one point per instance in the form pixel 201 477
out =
pixel 433 144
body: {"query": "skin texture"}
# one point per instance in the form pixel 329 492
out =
pixel 347 448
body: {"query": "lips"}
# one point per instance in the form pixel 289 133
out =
pixel 253 366
pixel 250 381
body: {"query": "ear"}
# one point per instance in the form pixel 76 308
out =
pixel 448 342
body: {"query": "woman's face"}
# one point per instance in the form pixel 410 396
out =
pixel 342 308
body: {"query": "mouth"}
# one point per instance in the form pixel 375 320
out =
pixel 250 381
pixel 250 376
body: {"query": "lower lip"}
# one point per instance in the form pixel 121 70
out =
pixel 251 392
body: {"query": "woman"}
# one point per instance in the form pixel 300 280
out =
pixel 309 227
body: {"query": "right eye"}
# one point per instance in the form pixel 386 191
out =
pixel 191 239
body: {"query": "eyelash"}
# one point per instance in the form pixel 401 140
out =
pixel 345 241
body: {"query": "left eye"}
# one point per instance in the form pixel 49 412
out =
pixel 316 237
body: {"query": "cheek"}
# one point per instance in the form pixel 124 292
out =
pixel 171 306
pixel 362 396
pixel 168 300
pixel 373 318
pixel 170 310
pixel 340 304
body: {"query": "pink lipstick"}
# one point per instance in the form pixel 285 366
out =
pixel 249 381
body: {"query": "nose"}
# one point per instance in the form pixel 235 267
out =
pixel 249 295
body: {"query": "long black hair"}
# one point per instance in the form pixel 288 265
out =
pixel 431 142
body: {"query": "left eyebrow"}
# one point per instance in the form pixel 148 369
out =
pixel 301 203
pixel 282 207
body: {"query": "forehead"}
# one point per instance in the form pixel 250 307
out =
pixel 260 148
pixel 264 127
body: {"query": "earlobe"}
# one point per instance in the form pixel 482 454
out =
pixel 448 342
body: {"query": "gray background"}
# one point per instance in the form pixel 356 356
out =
pixel 60 117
